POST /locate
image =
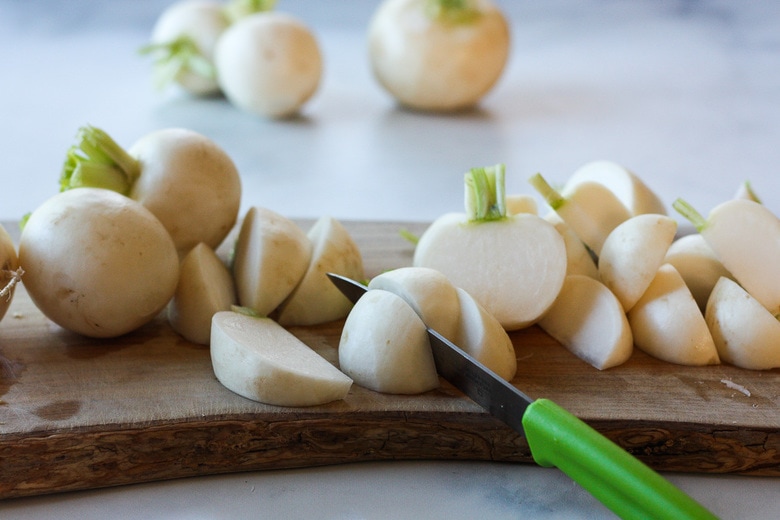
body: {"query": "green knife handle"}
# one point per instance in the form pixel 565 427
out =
pixel 618 480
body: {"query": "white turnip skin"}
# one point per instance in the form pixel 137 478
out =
pixel 697 263
pixel 432 63
pixel 9 270
pixel 268 64
pixel 97 263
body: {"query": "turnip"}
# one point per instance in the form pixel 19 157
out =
pixel 438 55
pixel 270 257
pixel 513 265
pixel 10 273
pixel 269 64
pixel 746 191
pixel 590 209
pixel 745 236
pixel 667 324
pixel 97 263
pixel 579 259
pixel 315 299
pixel 205 287
pixel 184 178
pixel 521 203
pixel 384 346
pixel 745 333
pixel 637 197
pixel 588 319
pixel 632 254
pixel 697 263
pixel 257 358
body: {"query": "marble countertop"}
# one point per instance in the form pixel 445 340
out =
pixel 685 93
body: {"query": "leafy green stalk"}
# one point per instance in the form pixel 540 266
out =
pixel 97 161
pixel 690 213
pixel 453 12
pixel 486 193
pixel 237 9
pixel 171 59
pixel 550 194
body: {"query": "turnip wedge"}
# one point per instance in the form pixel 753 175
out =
pixel 745 236
pixel 667 324
pixel 10 273
pixel 632 254
pixel 259 359
pixel 97 263
pixel 579 259
pixel 205 287
pixel 587 319
pixel 315 299
pixel 184 178
pixel 697 263
pixel 745 333
pixel 270 257
pixel 384 346
pixel 438 55
pixel 513 265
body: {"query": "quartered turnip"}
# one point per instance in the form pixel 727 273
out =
pixel 384 346
pixel 632 254
pixel 259 359
pixel 269 64
pixel 97 263
pixel 514 265
pixel 205 287
pixel 667 324
pixel 587 319
pixel 697 263
pixel 579 259
pixel 745 333
pixel 270 257
pixel 10 274
pixel 184 178
pixel 315 299
pixel 438 55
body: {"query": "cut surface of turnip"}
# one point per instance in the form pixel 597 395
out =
pixel 588 320
pixel 632 254
pixel 579 259
pixel 745 333
pixel 667 323
pixel 697 263
pixel 315 299
pixel 257 358
pixel 384 346
pixel 9 270
pixel 270 257
pixel 205 287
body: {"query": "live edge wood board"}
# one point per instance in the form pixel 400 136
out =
pixel 78 413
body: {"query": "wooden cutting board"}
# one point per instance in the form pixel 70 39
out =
pixel 78 413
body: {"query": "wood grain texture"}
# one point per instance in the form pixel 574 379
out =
pixel 79 413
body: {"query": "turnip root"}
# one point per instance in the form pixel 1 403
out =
pixel 431 294
pixel 184 178
pixel 637 197
pixel 315 299
pixel 745 236
pixel 745 333
pixel 632 254
pixel 269 64
pixel 205 287
pixel 578 258
pixel 667 324
pixel 587 319
pixel 513 265
pixel 384 346
pixel 10 274
pixel 97 263
pixel 271 256
pixel 438 55
pixel 696 262
pixel 257 358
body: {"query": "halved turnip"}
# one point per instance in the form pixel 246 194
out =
pixel 384 346
pixel 667 324
pixel 10 274
pixel 697 263
pixel 259 359
pixel 315 299
pixel 270 257
pixel 97 263
pixel 745 333
pixel 589 321
pixel 205 287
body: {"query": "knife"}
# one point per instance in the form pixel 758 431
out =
pixel 621 482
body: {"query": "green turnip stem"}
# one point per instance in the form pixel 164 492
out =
pixel 452 11
pixel 752 194
pixel 16 277
pixel 550 194
pixel 237 9
pixel 97 161
pixel 408 235
pixel 248 311
pixel 485 193
pixel 177 56
pixel 690 213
